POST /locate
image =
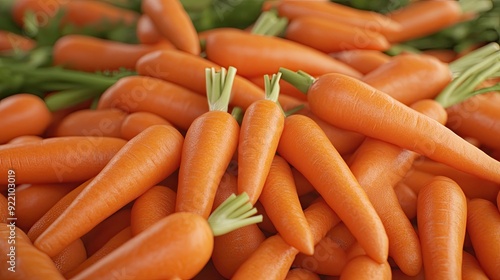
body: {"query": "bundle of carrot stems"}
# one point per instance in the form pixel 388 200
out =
pixel 278 139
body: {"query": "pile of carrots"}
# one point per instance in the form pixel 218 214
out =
pixel 296 148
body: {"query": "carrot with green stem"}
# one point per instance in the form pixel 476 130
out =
pixel 305 146
pixel 209 146
pixel 179 245
pixel 259 134
pixel 154 154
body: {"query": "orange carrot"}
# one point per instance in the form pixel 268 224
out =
pixel 363 267
pixel 59 159
pixel 302 185
pixel 70 257
pixel 301 274
pixel 159 148
pixel 146 31
pixel 174 23
pixel 483 226
pixel 259 134
pixel 22 114
pixel 407 198
pixel 23 261
pixel 174 103
pixel 304 145
pixel 441 217
pixel 135 123
pixel 25 139
pixel 11 42
pixel 150 207
pixel 92 122
pixel 4 211
pixel 209 145
pixel 364 61
pixel 471 270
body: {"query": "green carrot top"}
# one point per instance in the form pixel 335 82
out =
pixel 219 85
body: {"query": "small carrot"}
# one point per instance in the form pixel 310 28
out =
pixel 88 53
pixel 135 123
pixel 22 114
pixel 70 257
pixel 235 47
pixel 25 139
pixel 209 146
pixel 471 270
pixel 304 145
pixel 259 134
pixel 146 31
pixel 150 207
pixel 363 267
pixel 176 247
pixel 159 148
pixel 301 274
pixel 59 159
pixel 441 218
pixel 364 61
pixel 23 261
pixel 483 227
pixel 409 130
pixel 173 22
pixel 13 42
pixel 87 122
pixel 174 103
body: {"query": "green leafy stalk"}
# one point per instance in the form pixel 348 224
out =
pixel 272 86
pixel 237 114
pixel 68 98
pixel 269 24
pixel 300 79
pixel 219 85
pixel 235 212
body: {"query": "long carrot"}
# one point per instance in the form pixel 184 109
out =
pixel 159 148
pixel 59 159
pixel 146 31
pixel 209 146
pixel 362 60
pixel 278 194
pixel 12 42
pixel 259 134
pixel 174 103
pixel 268 53
pixel 87 122
pixel 483 227
pixel 442 217
pixel 409 130
pixel 176 247
pixel 471 270
pixel 135 123
pixel 22 114
pixel 88 53
pixel 25 261
pixel 70 257
pixel 173 22
pixel 363 267
pixel 304 145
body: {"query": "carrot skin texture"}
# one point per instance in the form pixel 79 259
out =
pixel 174 23
pixel 135 123
pixel 59 159
pixel 441 218
pixel 259 135
pixel 160 150
pixel 268 55
pixel 22 114
pixel 181 245
pixel 471 270
pixel 30 263
pixel 72 256
pixel 214 135
pixel 305 146
pixel 347 95
pixel 363 267
pixel 92 122
pixel 301 274
pixel 364 61
pixel 483 227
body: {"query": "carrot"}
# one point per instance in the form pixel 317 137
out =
pixel 233 248
pixel 135 123
pixel 207 272
pixel 176 247
pixel 441 217
pixel 113 243
pixel 96 12
pixel 407 198
pixel 302 185
pixel 88 53
pixel 59 114
pixel 421 18
pixel 306 147
pixel 39 197
pixel 483 226
pixel 266 225
pixel 4 211
pixel 364 61
pixel 259 134
pixel 340 13
pixel 173 23
pixel 25 139
pixel 159 148
pixel 174 103
pixel 363 267
pixel 188 71
pixel 471 270
pixel 23 261
pixel 301 274
pixel 395 77
pixel 12 42
pixel 92 122
pixel 146 31
pixel 443 55
pixel 409 130
pixel 150 207
pixel 399 275
pixel 332 36
pixel 278 194
pixel 268 53
pixel 70 257
pixel 59 159
pixel 22 114
pixel 209 145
